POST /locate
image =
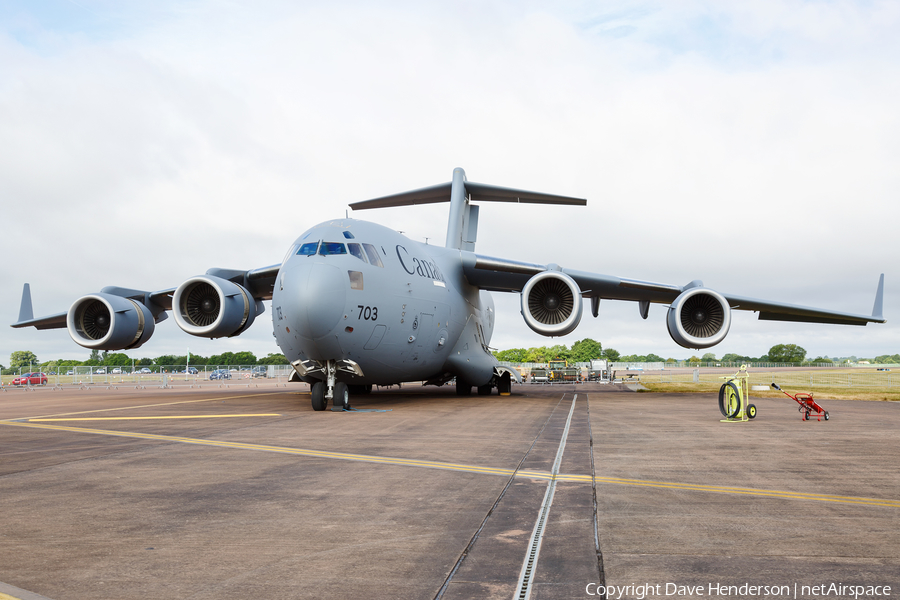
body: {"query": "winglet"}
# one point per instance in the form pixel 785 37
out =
pixel 26 312
pixel 877 310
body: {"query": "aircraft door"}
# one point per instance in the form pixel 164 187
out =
pixel 423 325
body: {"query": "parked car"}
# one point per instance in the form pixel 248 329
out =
pixel 145 371
pixel 70 372
pixel 260 371
pixel 100 371
pixel 191 370
pixel 117 371
pixel 220 374
pixel 30 379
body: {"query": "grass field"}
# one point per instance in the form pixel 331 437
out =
pixel 839 384
pixel 824 392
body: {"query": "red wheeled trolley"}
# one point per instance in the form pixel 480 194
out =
pixel 808 406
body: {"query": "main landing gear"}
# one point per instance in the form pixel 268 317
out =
pixel 503 383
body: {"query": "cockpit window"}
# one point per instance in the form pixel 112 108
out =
pixel 332 248
pixel 290 252
pixel 356 250
pixel 372 253
pixel 349 235
pixel 308 249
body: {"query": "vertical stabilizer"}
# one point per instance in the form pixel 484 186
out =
pixel 459 202
pixel 26 312
pixel 470 227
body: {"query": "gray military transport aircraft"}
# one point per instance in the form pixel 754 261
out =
pixel 356 304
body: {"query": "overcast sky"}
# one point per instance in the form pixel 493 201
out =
pixel 755 146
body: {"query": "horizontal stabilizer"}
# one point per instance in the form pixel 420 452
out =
pixel 429 195
pixel 476 192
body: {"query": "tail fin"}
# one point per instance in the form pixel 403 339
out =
pixel 462 226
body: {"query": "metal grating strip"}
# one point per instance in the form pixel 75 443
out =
pixel 523 587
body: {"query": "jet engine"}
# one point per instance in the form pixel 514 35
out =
pixel 699 318
pixel 209 306
pixel 551 303
pixel 107 322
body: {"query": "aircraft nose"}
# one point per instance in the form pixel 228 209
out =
pixel 321 293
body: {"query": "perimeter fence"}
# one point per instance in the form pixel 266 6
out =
pixel 869 376
pixel 153 375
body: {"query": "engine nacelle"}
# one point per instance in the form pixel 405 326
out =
pixel 212 307
pixel 699 318
pixel 551 303
pixel 107 322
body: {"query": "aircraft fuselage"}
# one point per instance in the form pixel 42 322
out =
pixel 400 309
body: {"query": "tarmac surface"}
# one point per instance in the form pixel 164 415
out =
pixel 246 492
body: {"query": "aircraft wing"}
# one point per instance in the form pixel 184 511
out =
pixel 259 282
pixel 497 274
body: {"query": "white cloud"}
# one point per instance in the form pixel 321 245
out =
pixel 752 146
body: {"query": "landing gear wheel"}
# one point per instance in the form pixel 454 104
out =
pixel 485 390
pixel 318 395
pixel 463 388
pixel 729 400
pixel 826 415
pixel 341 395
pixel 751 411
pixel 504 386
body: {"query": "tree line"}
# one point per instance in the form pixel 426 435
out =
pixel 25 359
pixel 587 349
pixel 581 351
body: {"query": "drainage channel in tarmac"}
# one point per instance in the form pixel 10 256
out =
pixel 537 539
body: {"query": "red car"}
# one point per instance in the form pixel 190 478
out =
pixel 30 379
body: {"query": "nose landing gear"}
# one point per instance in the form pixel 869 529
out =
pixel 329 389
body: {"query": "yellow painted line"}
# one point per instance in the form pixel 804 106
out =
pixel 87 412
pixel 543 475
pixel 735 490
pixel 278 449
pixel 153 418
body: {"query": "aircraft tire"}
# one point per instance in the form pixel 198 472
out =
pixel 318 395
pixel 463 388
pixel 504 386
pixel 341 395
pixel 485 390
pixel 728 393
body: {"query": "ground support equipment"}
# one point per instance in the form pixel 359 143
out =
pixel 808 406
pixel 733 397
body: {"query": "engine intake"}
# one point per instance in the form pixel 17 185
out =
pixel 551 303
pixel 107 322
pixel 209 306
pixel 699 318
